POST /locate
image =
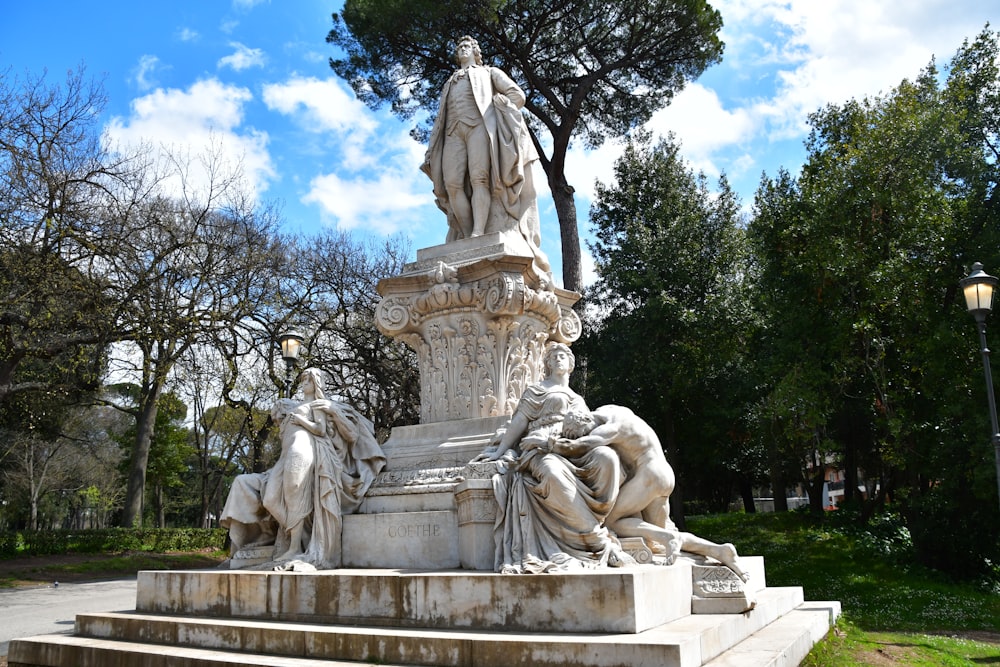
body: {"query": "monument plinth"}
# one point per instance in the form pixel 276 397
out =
pixel 478 314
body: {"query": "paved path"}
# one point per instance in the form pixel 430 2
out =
pixel 26 612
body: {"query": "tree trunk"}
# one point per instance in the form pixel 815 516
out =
pixel 569 233
pixel 778 489
pixel 815 491
pixel 746 492
pixel 161 514
pixel 562 198
pixel 146 421
pixel 33 487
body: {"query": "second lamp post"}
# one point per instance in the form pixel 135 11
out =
pixel 979 288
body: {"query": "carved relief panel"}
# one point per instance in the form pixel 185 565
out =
pixel 479 341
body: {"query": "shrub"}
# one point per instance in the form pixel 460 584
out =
pixel 110 540
pixel 953 535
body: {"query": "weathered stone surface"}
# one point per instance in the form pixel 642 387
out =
pixel 779 631
pixel 605 600
pixel 417 540
pixel 479 320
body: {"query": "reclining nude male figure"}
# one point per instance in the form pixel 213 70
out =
pixel 642 508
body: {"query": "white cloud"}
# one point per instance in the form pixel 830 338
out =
pixel 324 105
pixel 188 35
pixel 830 52
pixel 244 58
pixel 248 4
pixel 374 182
pixel 205 118
pixel 585 167
pixel 384 204
pixel 704 127
pixel 785 59
pixel 145 70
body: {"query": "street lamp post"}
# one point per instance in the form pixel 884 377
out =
pixel 291 346
pixel 979 288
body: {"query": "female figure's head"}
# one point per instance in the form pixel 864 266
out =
pixel 311 383
pixel 558 360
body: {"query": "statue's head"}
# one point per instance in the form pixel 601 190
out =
pixel 474 45
pixel 577 424
pixel 311 382
pixel 550 352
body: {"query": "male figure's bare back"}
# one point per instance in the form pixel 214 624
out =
pixel 643 505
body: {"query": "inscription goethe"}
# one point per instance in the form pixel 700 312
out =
pixel 416 530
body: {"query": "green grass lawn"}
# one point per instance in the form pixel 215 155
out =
pixel 894 611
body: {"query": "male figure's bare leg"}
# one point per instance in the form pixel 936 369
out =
pixel 658 513
pixel 624 519
pixel 632 526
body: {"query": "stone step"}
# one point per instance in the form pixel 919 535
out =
pixel 687 642
pixel 786 641
pixel 73 651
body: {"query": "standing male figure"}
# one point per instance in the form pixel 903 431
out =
pixel 480 154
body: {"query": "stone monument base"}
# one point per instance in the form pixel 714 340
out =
pixel 632 616
pixel 430 508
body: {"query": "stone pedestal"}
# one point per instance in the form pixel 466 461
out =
pixel 477 514
pixel 478 315
pixel 597 618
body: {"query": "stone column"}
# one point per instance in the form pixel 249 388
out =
pixel 478 314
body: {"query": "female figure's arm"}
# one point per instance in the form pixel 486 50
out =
pixel 317 428
pixel 348 429
pixel 505 440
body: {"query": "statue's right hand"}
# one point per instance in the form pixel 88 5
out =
pixel 488 454
pixel 497 437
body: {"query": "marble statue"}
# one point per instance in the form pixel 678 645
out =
pixel 480 155
pixel 329 458
pixel 552 507
pixel 574 482
pixel 642 508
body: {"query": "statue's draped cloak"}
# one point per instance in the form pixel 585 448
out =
pixel 551 507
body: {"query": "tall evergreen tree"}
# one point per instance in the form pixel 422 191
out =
pixel 869 350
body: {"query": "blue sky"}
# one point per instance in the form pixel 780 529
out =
pixel 251 78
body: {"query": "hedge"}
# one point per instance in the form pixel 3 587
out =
pixel 109 540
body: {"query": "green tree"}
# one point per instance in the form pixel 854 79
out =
pixel 375 374
pixel 670 325
pixel 590 70
pixel 229 441
pixel 869 356
pixel 169 454
pixel 169 450
pixel 57 451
